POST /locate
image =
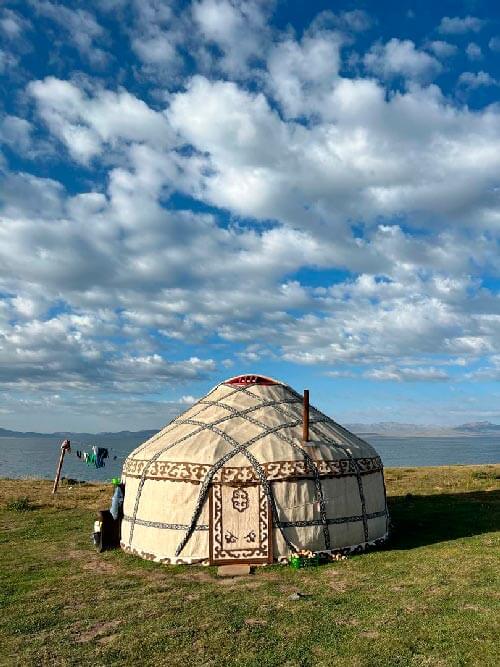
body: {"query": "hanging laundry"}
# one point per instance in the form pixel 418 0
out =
pixel 89 458
pixel 95 457
pixel 101 454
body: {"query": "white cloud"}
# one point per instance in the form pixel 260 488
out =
pixel 76 351
pixel 473 51
pixel 86 121
pixel 8 62
pixel 392 373
pixel 476 79
pixel 401 58
pixel 442 49
pixel 13 25
pixel 145 269
pixel 16 132
pixel 457 26
pixel 489 371
pixel 475 345
pixel 362 155
pixel 157 49
pixel 157 34
pixel 30 197
pixel 356 20
pixel 237 27
pixel 494 44
pixel 340 374
pixel 300 73
pixel 187 400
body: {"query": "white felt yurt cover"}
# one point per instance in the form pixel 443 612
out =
pixel 231 480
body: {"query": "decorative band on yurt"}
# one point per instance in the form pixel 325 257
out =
pixel 184 471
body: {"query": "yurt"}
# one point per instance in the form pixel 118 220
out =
pixel 251 474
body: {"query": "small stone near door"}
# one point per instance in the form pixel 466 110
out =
pixel 233 570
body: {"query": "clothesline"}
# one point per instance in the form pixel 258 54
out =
pixel 92 455
pixel 95 457
pixel 78 445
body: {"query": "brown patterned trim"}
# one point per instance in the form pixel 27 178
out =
pixel 210 524
pixel 276 470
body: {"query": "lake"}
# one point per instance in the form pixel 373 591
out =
pixel 37 457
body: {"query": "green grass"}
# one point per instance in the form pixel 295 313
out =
pixel 21 504
pixel 431 597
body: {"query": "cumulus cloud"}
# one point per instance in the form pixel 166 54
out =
pixel 301 74
pixel 16 132
pixel 473 80
pixel 365 157
pixel 157 35
pixel 356 20
pixel 457 26
pixel 13 25
pixel 442 49
pixel 473 51
pixel 393 373
pixel 238 28
pixel 371 320
pixel 85 121
pixel 401 58
pixel 76 351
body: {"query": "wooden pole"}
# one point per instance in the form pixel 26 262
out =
pixel 65 446
pixel 305 431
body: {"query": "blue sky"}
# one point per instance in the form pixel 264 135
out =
pixel 194 190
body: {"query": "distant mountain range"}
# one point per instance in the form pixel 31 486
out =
pixel 388 429
pixel 412 430
pixel 105 435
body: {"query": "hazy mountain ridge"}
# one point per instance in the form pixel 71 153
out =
pixel 376 428
pixel 425 430
pixel 108 435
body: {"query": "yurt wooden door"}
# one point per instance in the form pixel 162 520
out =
pixel 240 525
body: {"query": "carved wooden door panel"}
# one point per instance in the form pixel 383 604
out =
pixel 239 525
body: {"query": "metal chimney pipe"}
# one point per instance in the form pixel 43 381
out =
pixel 305 431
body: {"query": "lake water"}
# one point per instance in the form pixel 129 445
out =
pixel 38 457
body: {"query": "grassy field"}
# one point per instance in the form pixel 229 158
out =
pixel 431 597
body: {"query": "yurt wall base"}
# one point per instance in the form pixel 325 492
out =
pixel 282 560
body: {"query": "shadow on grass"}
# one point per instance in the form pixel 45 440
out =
pixel 420 520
